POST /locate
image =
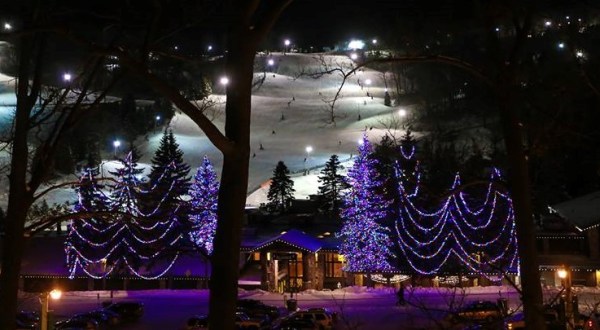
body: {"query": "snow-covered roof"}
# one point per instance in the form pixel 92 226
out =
pixel 583 211
pixel 296 239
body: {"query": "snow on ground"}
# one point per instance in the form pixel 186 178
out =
pixel 305 123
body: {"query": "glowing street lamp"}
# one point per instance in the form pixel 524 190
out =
pixel 209 48
pixel 44 297
pixel 565 278
pixel 402 113
pixel 287 44
pixel 224 81
pixel 374 41
pixel 67 77
pixel 353 56
pixel 116 145
pixel 308 149
pixel 7 26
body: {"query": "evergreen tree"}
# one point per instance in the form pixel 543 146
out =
pixel 332 184
pixel 281 191
pixel 168 179
pixel 365 243
pixel 203 206
pixel 387 99
pixel 125 193
pixel 98 228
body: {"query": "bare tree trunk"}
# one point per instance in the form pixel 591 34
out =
pixel 20 196
pixel 520 189
pixel 234 181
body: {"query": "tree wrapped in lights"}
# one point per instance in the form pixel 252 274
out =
pixel 168 177
pixel 130 240
pixel 365 242
pixel 203 206
pixel 473 228
pixel 91 199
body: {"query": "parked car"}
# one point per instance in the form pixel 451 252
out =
pixel 256 314
pixel 127 310
pixel 102 316
pixel 197 322
pixel 243 321
pixel 77 323
pixel 478 312
pixel 252 307
pixel 552 320
pixel 27 320
pixel 320 316
pixel 296 324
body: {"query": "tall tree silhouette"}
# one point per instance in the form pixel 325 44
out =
pixel 281 191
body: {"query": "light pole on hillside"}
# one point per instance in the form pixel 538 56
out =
pixel 309 149
pixel 116 145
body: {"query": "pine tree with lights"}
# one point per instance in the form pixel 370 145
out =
pixel 130 240
pixel 281 190
pixel 332 184
pixel 168 181
pixel 168 166
pixel 86 233
pixel 365 242
pixel 203 194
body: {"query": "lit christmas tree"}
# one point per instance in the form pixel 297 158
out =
pixel 365 243
pixel 129 240
pixel 90 200
pixel 203 206
pixel 168 177
pixel 469 231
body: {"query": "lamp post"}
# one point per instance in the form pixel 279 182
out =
pixel 44 297
pixel 270 64
pixel 286 43
pixel 564 274
pixel 116 145
pixel 368 83
pixel 309 149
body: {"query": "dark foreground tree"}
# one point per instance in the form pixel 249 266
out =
pixel 37 107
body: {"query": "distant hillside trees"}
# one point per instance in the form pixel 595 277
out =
pixel 281 191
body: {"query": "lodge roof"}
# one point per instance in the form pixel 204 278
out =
pixel 583 211
pixel 295 238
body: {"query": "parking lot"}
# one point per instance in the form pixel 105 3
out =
pixel 357 308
